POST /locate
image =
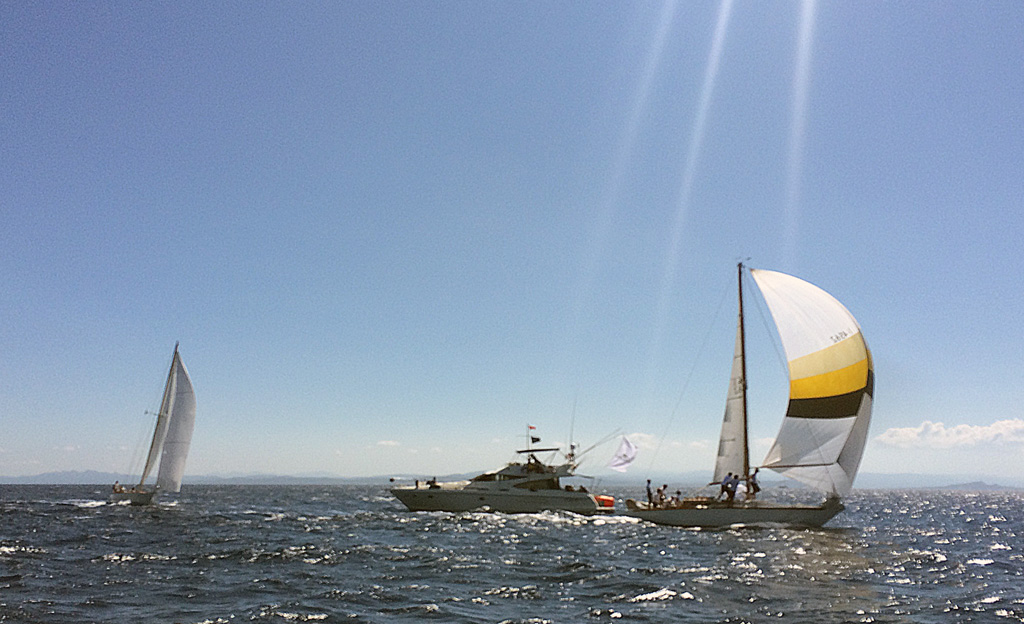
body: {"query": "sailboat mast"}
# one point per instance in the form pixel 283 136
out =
pixel 743 364
pixel 157 443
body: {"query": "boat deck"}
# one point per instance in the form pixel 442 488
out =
pixel 709 513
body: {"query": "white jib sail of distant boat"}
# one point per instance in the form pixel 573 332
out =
pixel 823 433
pixel 171 439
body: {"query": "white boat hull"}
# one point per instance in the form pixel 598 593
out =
pixel 715 514
pixel 507 501
pixel 135 498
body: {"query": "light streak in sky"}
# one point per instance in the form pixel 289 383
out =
pixel 624 153
pixel 794 174
pixel 686 189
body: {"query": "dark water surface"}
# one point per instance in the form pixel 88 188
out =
pixel 353 554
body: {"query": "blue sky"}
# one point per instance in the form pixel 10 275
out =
pixel 391 235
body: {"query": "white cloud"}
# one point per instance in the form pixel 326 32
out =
pixel 642 440
pixel 649 442
pixel 937 436
pixel 388 443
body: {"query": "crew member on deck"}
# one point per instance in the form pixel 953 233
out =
pixel 734 482
pixel 752 486
pixel 724 489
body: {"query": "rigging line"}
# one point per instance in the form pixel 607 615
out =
pixel 773 335
pixel 819 445
pixel 140 448
pixel 689 377
pixel 600 442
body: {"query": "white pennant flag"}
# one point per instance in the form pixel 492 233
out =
pixel 624 456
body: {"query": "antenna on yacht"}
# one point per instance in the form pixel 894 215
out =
pixel 572 425
pixel 601 441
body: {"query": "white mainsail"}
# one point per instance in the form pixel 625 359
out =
pixel 623 457
pixel 179 432
pixel 732 443
pixel 173 433
pixel 822 437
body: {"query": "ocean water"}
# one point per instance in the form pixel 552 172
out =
pixel 353 554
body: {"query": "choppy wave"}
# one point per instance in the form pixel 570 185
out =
pixel 323 554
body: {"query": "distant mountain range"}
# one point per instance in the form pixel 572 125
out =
pixel 867 481
pixel 92 477
pixel 977 486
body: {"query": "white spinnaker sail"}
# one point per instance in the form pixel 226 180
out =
pixel 623 457
pixel 181 421
pixel 822 437
pixel 732 443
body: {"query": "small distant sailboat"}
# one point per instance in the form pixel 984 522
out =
pixel 822 437
pixel 171 439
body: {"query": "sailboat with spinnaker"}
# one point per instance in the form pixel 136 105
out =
pixel 171 439
pixel 823 433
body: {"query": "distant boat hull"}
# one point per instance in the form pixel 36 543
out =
pixel 450 497
pixel 713 514
pixel 138 498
